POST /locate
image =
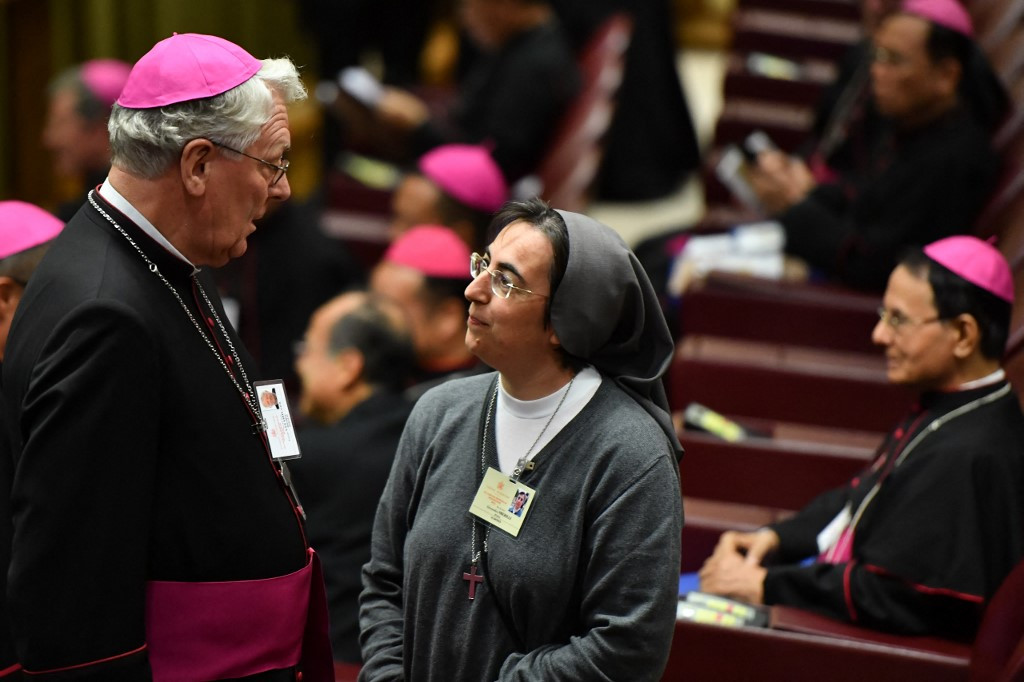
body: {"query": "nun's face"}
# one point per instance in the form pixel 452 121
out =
pixel 510 334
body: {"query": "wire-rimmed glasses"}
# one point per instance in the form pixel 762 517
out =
pixel 280 169
pixel 501 285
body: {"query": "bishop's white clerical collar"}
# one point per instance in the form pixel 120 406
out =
pixel 115 199
pixel 993 378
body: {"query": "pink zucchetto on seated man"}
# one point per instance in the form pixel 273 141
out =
pixel 456 185
pixel 424 271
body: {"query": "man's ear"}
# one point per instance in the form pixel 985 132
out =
pixel 348 365
pixel 968 335
pixel 10 296
pixel 195 166
pixel 948 71
pixel 555 343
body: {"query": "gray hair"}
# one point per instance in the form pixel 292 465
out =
pixel 145 142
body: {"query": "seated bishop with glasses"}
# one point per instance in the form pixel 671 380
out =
pixel 919 541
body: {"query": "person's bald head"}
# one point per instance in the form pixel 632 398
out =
pixel 356 344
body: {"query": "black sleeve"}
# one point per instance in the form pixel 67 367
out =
pixel 936 192
pixel 526 112
pixel 514 106
pixel 82 494
pixel 853 592
pixel 798 535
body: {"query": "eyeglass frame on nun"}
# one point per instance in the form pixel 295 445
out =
pixel 501 285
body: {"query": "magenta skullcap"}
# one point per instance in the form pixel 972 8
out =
pixel 24 225
pixel 105 78
pixel 977 261
pixel 468 173
pixel 184 67
pixel 434 250
pixel 948 13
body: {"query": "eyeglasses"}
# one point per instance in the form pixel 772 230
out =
pixel 898 321
pixel 501 285
pixel 281 170
pixel 881 55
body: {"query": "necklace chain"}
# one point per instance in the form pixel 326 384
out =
pixel 474 555
pixel 931 428
pixel 247 393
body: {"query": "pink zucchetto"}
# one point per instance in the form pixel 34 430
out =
pixel 105 78
pixel 24 225
pixel 184 67
pixel 948 13
pixel 468 173
pixel 976 261
pixel 434 250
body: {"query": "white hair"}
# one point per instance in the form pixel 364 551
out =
pixel 145 142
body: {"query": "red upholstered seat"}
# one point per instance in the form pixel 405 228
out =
pixel 786 383
pixel 834 9
pixel 796 34
pixel 744 307
pixel 995 21
pixel 571 163
pixel 709 652
pixel 744 78
pixel 998 653
pixel 346 672
pixel 780 472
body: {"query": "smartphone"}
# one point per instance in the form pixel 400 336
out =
pixel 755 144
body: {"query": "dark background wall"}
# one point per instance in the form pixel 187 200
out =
pixel 40 38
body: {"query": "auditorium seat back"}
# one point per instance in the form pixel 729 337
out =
pixel 569 167
pixel 999 647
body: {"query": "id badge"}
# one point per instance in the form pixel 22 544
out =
pixel 280 432
pixel 502 503
pixel 831 533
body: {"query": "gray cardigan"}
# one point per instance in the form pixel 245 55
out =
pixel 589 586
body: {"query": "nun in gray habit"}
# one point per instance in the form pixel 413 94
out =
pixel 583 585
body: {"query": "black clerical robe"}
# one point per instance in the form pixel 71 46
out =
pixel 917 186
pixel 512 101
pixel 10 669
pixel 135 455
pixel 340 478
pixel 651 144
pixel 940 534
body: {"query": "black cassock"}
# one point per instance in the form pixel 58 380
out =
pixel 135 455
pixel 943 530
pixel 915 187
pixel 340 478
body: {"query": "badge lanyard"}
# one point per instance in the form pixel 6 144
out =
pixel 247 394
pixel 509 520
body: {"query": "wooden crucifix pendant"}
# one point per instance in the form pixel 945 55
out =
pixel 473 578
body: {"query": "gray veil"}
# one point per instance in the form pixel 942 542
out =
pixel 606 312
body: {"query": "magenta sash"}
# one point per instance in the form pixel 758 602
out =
pixel 216 630
pixel 841 551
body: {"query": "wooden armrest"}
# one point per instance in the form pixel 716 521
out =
pixel 708 652
pixel 761 471
pixel 792 619
pixel 785 383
